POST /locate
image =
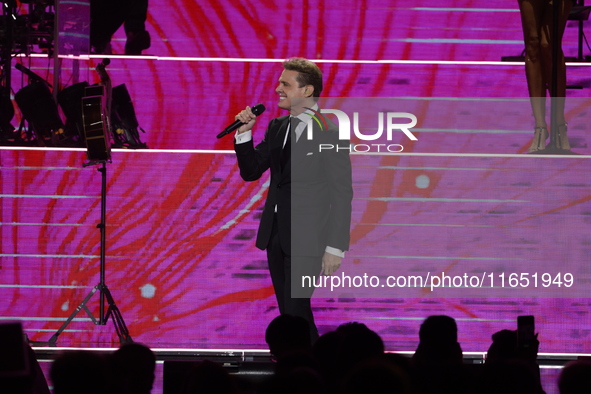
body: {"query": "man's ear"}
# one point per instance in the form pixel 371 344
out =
pixel 309 91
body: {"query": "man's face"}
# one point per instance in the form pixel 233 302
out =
pixel 289 90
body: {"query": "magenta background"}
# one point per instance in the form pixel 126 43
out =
pixel 167 210
pixel 177 99
pixel 182 224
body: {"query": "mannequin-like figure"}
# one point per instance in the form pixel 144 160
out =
pixel 536 20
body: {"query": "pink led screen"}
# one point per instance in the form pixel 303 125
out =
pixel 181 261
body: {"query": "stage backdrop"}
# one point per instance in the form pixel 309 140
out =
pixel 183 269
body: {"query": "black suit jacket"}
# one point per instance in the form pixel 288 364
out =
pixel 313 193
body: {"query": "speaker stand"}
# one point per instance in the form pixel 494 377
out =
pixel 104 293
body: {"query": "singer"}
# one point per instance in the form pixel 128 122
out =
pixel 307 216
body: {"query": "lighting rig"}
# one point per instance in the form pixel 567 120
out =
pixel 25 27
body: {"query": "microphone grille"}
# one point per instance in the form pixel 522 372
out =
pixel 258 109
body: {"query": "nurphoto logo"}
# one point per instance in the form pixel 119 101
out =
pixel 395 122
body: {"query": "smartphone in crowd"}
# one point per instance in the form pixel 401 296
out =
pixel 526 332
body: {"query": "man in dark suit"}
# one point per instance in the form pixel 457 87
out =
pixel 307 215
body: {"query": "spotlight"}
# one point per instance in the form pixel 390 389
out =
pixel 124 120
pixel 70 101
pixel 39 109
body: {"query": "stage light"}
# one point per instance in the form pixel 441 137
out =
pixel 124 121
pixel 40 111
pixel 70 101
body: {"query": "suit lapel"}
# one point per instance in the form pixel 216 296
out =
pixel 305 145
pixel 277 143
pixel 299 149
pixel 280 133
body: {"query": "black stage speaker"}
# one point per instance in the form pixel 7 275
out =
pixel 70 100
pixel 96 127
pixel 39 109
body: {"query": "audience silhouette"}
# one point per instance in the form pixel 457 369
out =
pixel 76 372
pixel 438 343
pixel 510 368
pixel 32 382
pixel 286 334
pixel 132 369
pixel 348 360
pixel 575 378
pixel 437 365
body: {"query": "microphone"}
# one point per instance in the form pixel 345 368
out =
pixel 257 110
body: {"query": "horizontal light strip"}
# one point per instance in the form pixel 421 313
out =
pixel 76 256
pixel 335 61
pixel 42 287
pixel 429 199
pixel 33 318
pixel 480 155
pixel 40 168
pixel 564 354
pixel 46 149
pixel 468 131
pixel 424 225
pixel 261 351
pixel 487 10
pixel 212 151
pixel 351 254
pixel 456 319
pixel 440 168
pixel 467 99
pixel 44 224
pixel 264 351
pixel 456 41
pixel 51 330
pixel 158 350
pixel 42 196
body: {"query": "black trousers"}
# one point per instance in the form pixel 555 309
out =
pixel 286 274
pixel 107 16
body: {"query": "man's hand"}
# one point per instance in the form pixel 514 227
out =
pixel 246 116
pixel 330 263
